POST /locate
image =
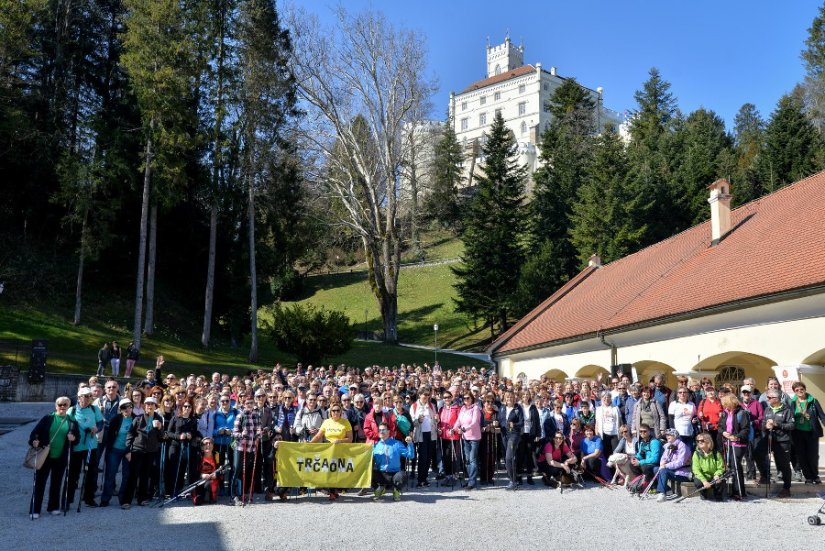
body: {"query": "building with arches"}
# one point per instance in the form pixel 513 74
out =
pixel 742 294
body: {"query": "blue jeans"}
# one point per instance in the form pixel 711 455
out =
pixel 665 476
pixel 115 459
pixel 471 460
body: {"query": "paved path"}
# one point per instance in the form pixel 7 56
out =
pixel 535 518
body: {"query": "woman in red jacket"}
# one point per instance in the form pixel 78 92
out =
pixel 709 411
pixel 380 414
pixel 449 439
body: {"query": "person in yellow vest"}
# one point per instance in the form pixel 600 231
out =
pixel 335 430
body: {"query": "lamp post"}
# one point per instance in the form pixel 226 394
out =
pixel 435 348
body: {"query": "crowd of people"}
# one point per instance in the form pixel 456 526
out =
pixel 426 425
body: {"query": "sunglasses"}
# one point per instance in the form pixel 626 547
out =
pixel 63 405
pixel 187 406
pixel 111 387
pixel 335 411
pixel 383 430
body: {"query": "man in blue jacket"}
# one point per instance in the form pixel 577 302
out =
pixel 648 453
pixel 386 462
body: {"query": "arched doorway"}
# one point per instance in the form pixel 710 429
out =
pixel 555 375
pixel 591 371
pixel 647 369
pixel 732 367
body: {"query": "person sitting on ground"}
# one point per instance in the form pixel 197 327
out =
pixel 708 467
pixel 620 459
pixel 208 492
pixel 675 463
pixel 386 455
pixel 592 448
pixel 558 458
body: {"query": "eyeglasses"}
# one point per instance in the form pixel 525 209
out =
pixel 468 397
pixel 701 440
pixel 186 406
pixel 345 399
pixel 335 411
pixel 126 407
pixel 558 438
pixel 63 405
pixel 383 430
pixel 681 392
pixel 111 388
pixel 224 401
pixel 643 432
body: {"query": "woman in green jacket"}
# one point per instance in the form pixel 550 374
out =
pixel 708 467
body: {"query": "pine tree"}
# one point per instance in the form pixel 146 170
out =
pixel 651 124
pixel 492 237
pixel 702 142
pixel 566 150
pixel 791 146
pixel 813 57
pixel 608 216
pixel 748 140
pixel 442 204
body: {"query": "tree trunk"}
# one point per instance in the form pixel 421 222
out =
pixel 78 294
pixel 253 278
pixel 149 322
pixel 210 277
pixel 389 315
pixel 144 217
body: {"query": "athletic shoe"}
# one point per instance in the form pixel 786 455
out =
pixel 396 494
pixel 238 502
pixel 783 493
pixel 35 516
pixel 530 480
pixel 364 491
pixel 763 482
pixel 661 498
pixel 511 486
pixel 125 506
pixel 378 493
pixel 55 512
pixel 817 480
pixel 470 487
pixel 269 496
pixel 797 475
pixel 809 481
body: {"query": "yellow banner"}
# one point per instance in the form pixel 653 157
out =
pixel 324 465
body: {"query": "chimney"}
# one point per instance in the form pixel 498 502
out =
pixel 719 210
pixel 595 261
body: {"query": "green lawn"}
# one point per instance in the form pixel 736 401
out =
pixel 73 349
pixel 425 297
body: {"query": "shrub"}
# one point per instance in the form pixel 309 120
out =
pixel 309 332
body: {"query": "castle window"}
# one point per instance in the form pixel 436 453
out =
pixel 522 108
pixel 465 123
pixel 521 88
pixel 463 105
pixel 483 100
pixel 498 69
pixel 497 96
pixel 482 119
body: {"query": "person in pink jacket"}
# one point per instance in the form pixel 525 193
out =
pixel 449 440
pixel 468 425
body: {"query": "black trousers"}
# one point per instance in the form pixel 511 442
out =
pixel 265 467
pixel 806 445
pixel 646 470
pixel 54 469
pixel 78 462
pixel 450 456
pixel 426 452
pixel 525 458
pixel 386 479
pixel 736 454
pixel 510 454
pixel 181 467
pixel 141 468
pixel 717 489
pixel 782 458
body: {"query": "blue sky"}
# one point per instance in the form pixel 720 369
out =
pixel 716 55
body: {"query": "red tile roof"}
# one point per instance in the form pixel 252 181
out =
pixel 520 71
pixel 775 245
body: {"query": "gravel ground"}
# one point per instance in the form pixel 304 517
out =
pixel 532 518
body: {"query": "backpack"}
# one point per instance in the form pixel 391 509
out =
pixel 402 423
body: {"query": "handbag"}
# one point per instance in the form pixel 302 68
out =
pixel 36 457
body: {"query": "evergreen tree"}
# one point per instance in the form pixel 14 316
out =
pixel 791 146
pixel 492 236
pixel 608 217
pixel 442 205
pixel 748 140
pixel 566 149
pixel 813 57
pixel 702 142
pixel 651 126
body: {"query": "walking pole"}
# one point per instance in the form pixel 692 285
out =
pixel 65 500
pixel 177 470
pixel 31 503
pixel 733 466
pixel 463 463
pixel 255 443
pixel 413 463
pixel 770 450
pixel 85 468
pixel 161 476
pixel 243 477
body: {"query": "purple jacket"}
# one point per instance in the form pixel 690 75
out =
pixel 677 460
pixel 756 411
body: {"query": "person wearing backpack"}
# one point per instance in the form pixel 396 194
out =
pixel 754 408
pixel 734 427
pixel 777 426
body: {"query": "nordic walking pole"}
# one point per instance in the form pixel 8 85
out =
pixel 177 469
pixel 254 466
pixel 85 468
pixel 243 477
pixel 161 474
pixel 722 478
pixel 65 500
pixel 31 503
pixel 770 450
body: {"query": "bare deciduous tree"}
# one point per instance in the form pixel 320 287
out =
pixel 364 69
